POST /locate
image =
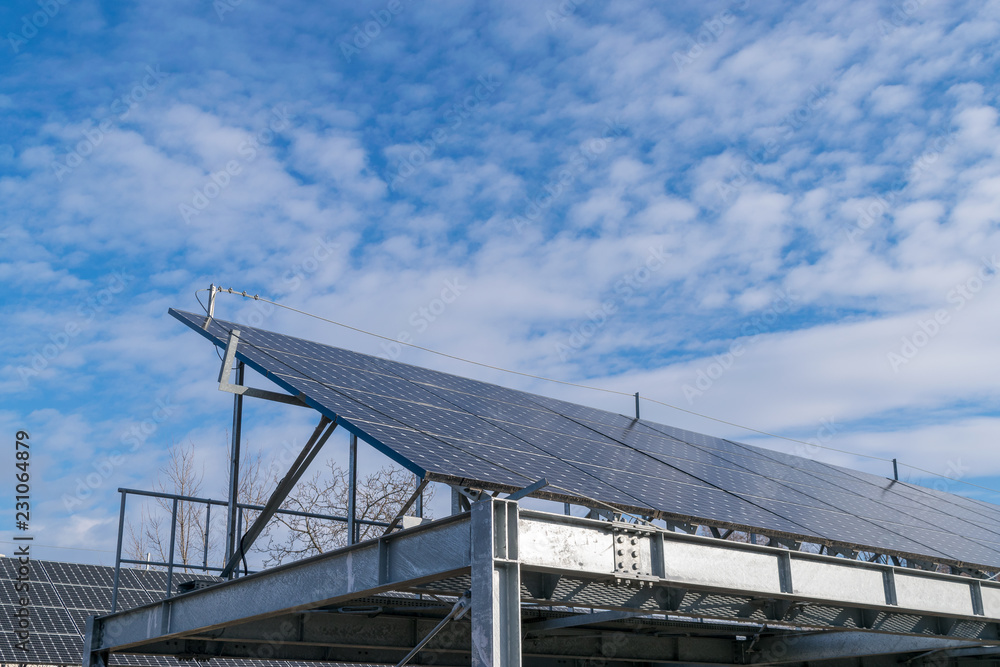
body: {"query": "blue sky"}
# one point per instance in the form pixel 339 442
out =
pixel 784 215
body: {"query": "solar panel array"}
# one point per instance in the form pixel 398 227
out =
pixel 454 428
pixel 62 596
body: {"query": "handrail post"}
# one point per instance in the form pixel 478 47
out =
pixel 352 492
pixel 232 533
pixel 118 553
pixel 239 540
pixel 208 523
pixel 170 558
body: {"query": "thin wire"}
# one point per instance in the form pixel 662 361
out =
pixel 547 379
pixel 772 435
pixel 217 352
pixel 257 297
pixel 203 306
pixel 618 511
pixel 951 479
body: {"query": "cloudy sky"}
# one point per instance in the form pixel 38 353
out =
pixel 783 215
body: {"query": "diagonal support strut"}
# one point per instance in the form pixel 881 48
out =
pixel 406 506
pixel 457 612
pixel 305 457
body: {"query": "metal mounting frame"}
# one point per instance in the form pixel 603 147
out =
pixel 320 435
pixel 515 559
pixel 240 390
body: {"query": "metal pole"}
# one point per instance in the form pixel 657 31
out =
pixel 211 300
pixel 118 555
pixel 239 531
pixel 352 492
pixel 418 506
pixel 636 405
pixel 208 524
pixel 170 559
pixel 457 612
pixel 895 471
pixel 232 535
pixel 305 457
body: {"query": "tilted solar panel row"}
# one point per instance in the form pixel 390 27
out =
pixel 451 428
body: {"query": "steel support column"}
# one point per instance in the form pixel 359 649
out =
pixel 234 465
pixel 496 585
pixel 352 492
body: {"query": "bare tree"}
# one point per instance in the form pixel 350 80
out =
pixel 180 477
pixel 379 497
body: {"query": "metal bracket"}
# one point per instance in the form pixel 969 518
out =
pixel 579 619
pixel 528 490
pixel 632 559
pixel 458 611
pixel 211 305
pixel 406 506
pixel 227 386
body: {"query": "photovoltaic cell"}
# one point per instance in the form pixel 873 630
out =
pixel 57 632
pixel 451 428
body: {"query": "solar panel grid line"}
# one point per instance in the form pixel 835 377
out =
pixel 344 399
pixel 862 534
pixel 42 594
pixel 737 512
pixel 714 451
pixel 862 508
pixel 790 478
pixel 346 412
pixel 876 503
pixel 453 416
pixel 945 518
pixel 45 620
pixel 453 410
pixel 384 376
pixel 984 511
pixel 702 480
pixel 969 542
pixel 458 417
pixel 780 479
pixel 510 431
pixel 58 593
pixel 872 520
pixel 602 435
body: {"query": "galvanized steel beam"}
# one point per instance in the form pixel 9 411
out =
pixel 514 556
pixel 641 556
pixel 496 584
pixel 401 560
pixel 843 645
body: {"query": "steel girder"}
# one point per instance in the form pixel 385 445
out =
pixel 512 559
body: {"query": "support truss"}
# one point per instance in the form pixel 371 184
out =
pixel 641 582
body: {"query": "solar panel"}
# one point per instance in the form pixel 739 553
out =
pixel 57 629
pixel 451 428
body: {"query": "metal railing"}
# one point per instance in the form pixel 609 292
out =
pixel 176 499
